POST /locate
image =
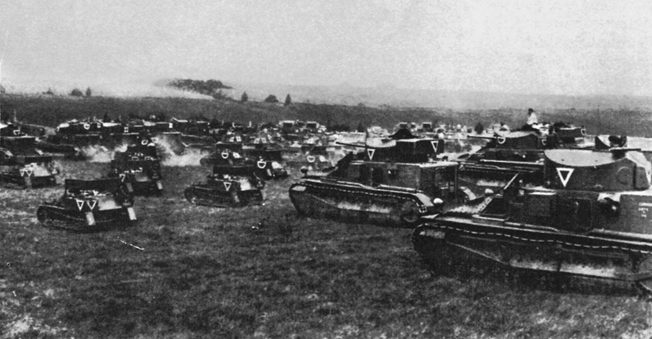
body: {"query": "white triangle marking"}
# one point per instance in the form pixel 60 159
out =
pixel 564 174
pixel 370 153
pixel 91 203
pixel 434 145
pixel 227 185
pixel 80 204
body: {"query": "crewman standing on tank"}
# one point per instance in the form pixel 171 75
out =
pixel 531 117
pixel 532 123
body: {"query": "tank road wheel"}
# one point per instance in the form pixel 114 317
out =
pixel 157 188
pixel 409 213
pixel 190 196
pixel 431 246
pixel 645 267
pixel 235 198
pixel 28 182
pixel 42 215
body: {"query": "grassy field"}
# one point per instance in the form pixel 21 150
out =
pixel 206 272
pixel 264 272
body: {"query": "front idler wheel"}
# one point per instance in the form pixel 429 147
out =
pixel 409 213
pixel 190 195
pixel 42 215
pixel 644 267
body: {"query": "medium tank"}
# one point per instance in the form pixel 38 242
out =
pixel 592 217
pixel 228 186
pixel 139 168
pixel 389 185
pixel 517 152
pixel 21 164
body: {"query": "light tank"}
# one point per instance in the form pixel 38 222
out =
pixel 391 185
pixel 78 133
pixel 88 205
pixel 21 164
pixel 228 186
pixel 266 163
pixel 139 168
pixel 592 217
pixel 74 138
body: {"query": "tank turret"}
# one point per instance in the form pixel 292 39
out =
pixel 612 170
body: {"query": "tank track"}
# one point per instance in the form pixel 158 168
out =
pixel 358 203
pixel 52 217
pixel 452 256
pixel 11 184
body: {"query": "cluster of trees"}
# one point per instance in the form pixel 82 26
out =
pixel 207 87
pixel 271 99
pixel 76 92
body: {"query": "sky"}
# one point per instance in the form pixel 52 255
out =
pixel 521 46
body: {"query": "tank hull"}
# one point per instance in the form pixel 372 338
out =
pixel 144 188
pixel 476 178
pixel 28 181
pixel 601 254
pixel 84 221
pixel 353 202
pixel 263 169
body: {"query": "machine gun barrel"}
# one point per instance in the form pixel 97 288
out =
pixel 362 145
pixel 509 162
pixel 483 137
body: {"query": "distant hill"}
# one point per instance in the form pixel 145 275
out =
pixel 442 99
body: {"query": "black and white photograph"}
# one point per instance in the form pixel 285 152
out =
pixel 325 169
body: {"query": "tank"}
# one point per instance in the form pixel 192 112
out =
pixel 22 165
pixel 518 152
pixel 139 169
pixel 269 162
pixel 528 145
pixel 311 157
pixel 228 186
pixel 75 139
pixel 78 133
pixel 265 163
pixel 88 205
pixel 393 185
pixel 590 218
